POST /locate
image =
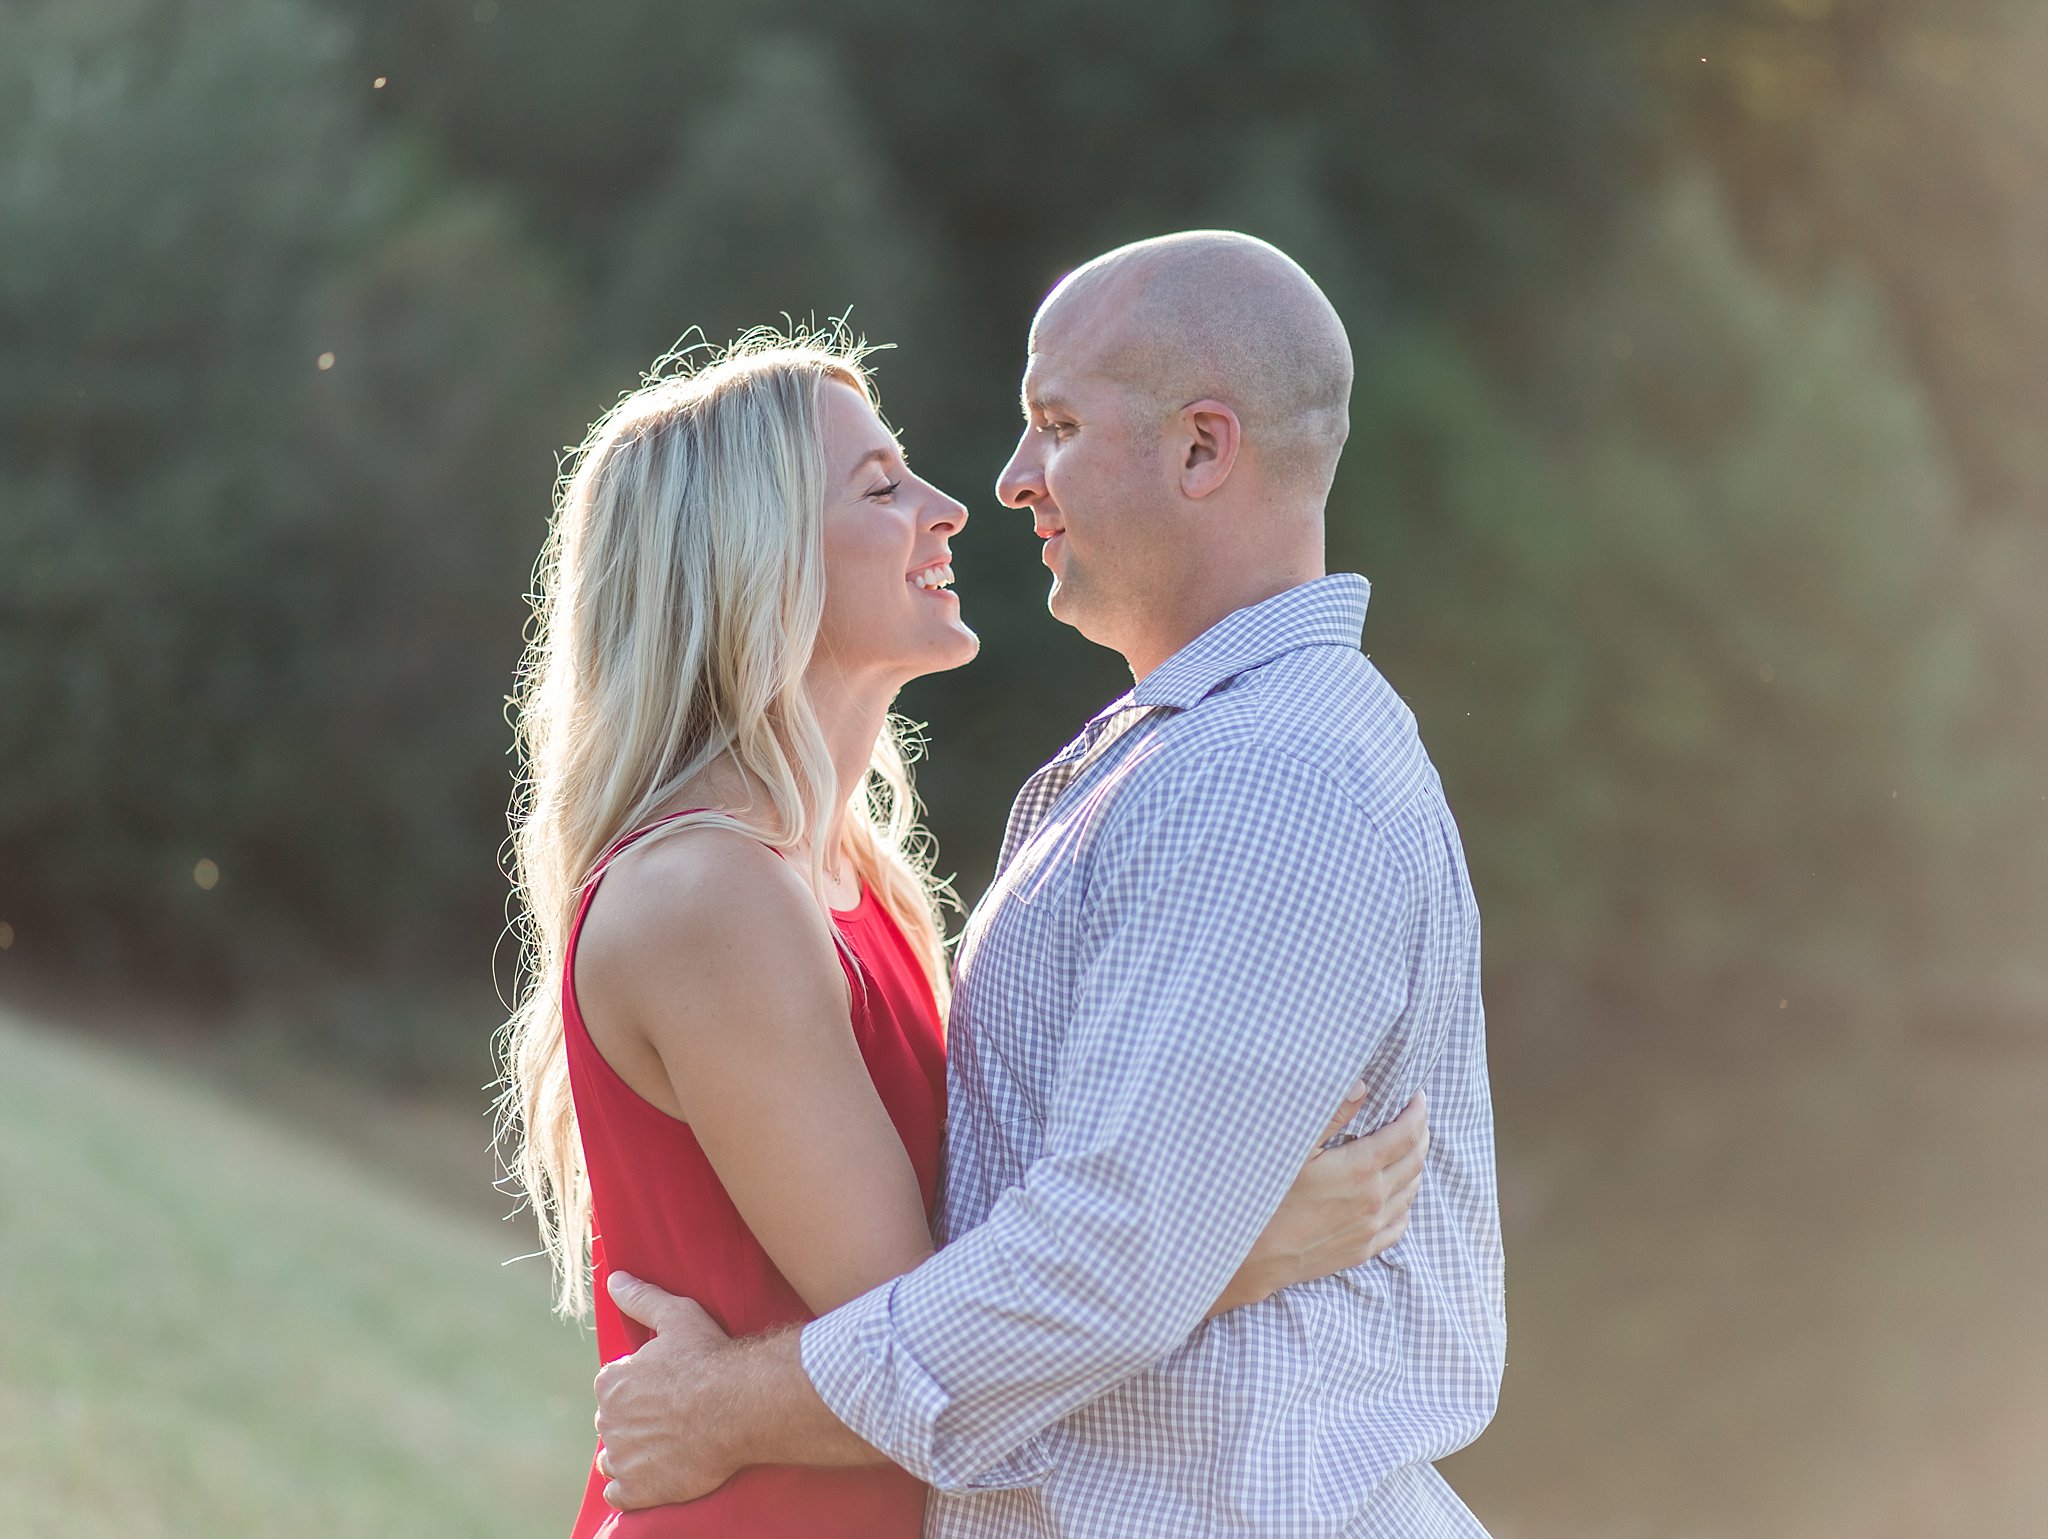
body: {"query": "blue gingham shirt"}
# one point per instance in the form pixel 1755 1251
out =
pixel 1236 890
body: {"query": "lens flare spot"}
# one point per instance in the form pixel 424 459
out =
pixel 6 936
pixel 324 362
pixel 206 875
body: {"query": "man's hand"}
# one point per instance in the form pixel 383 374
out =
pixel 683 1413
pixel 1349 1204
pixel 657 1408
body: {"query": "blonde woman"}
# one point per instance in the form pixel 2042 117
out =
pixel 726 1074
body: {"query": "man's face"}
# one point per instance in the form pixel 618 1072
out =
pixel 1090 467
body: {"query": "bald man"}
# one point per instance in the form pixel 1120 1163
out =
pixel 1239 888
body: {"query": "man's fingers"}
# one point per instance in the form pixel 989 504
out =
pixel 640 1301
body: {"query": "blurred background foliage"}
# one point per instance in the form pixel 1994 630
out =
pixel 1697 456
pixel 1698 462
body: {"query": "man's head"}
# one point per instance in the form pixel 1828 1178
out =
pixel 1185 400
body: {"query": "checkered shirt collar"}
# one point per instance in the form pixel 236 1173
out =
pixel 1328 612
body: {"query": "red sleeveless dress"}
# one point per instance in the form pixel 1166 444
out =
pixel 660 1212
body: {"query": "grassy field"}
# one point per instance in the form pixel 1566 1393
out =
pixel 1791 1289
pixel 213 1324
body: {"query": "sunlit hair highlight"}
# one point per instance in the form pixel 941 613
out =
pixel 676 605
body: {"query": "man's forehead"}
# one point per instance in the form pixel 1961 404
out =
pixel 1038 378
pixel 1075 336
pixel 1045 391
pixel 1057 367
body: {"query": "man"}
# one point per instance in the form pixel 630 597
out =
pixel 1238 889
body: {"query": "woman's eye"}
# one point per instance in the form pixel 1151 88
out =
pixel 887 489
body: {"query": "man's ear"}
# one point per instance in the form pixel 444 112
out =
pixel 1210 436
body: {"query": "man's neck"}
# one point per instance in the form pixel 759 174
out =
pixel 1197 612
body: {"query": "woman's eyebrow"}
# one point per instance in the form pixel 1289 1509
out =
pixel 873 456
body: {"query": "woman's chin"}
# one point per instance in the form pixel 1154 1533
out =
pixel 965 647
pixel 956 648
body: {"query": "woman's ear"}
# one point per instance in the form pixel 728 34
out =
pixel 1209 440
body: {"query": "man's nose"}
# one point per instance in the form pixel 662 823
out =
pixel 1021 482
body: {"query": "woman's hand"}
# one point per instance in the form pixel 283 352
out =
pixel 1349 1203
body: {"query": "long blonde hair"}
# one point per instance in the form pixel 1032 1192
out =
pixel 676 605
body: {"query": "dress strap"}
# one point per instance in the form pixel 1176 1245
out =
pixel 624 842
pixel 588 891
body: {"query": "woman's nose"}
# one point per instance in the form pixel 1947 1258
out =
pixel 948 514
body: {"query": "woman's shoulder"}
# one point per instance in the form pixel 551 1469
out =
pixel 699 902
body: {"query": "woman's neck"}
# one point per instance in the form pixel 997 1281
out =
pixel 852 714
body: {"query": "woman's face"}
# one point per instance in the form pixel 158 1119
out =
pixel 890 612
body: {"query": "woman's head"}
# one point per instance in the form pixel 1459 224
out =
pixel 729 541
pixel 890 613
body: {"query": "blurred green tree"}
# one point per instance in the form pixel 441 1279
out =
pixel 1700 346
pixel 1689 649
pixel 261 548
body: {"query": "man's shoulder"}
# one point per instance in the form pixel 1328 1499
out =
pixel 1322 714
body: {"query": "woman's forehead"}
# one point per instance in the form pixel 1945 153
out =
pixel 853 432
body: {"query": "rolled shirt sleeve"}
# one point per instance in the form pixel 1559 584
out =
pixel 1245 937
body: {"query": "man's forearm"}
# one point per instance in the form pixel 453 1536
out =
pixel 773 1414
pixel 691 1408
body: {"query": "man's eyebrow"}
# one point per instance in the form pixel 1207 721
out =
pixel 1043 401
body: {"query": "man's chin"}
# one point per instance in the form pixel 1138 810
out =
pixel 1059 603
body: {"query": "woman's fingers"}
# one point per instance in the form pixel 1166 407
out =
pixel 1405 1131
pixel 1402 1200
pixel 1408 1166
pixel 1353 1099
pixel 1406 1138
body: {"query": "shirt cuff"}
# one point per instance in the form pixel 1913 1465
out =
pixel 870 1381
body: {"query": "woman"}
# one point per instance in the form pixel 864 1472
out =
pixel 721 872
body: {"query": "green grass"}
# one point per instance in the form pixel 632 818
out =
pixel 212 1325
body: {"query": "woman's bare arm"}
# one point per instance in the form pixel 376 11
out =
pixel 1348 1205
pixel 708 978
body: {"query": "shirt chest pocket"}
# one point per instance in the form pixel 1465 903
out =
pixel 1017 981
pixel 1034 874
